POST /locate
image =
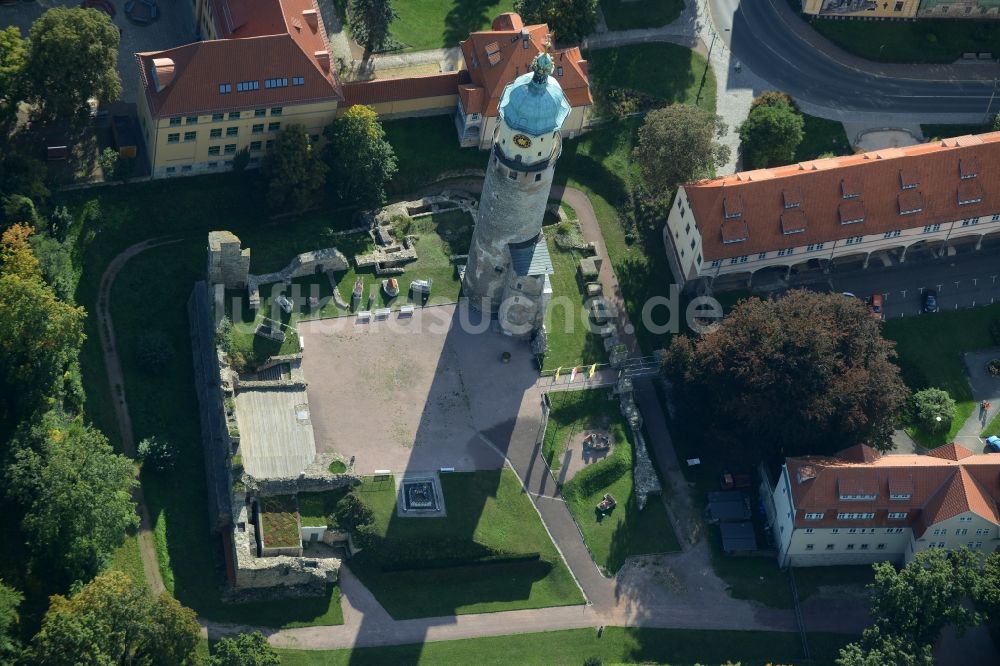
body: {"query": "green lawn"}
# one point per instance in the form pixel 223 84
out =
pixel 488 508
pixel 433 24
pixel 427 150
pixel 822 137
pixel 932 132
pixel 572 412
pixel 930 348
pixel 927 41
pixel 315 508
pixel 128 559
pixel 680 74
pixel 627 15
pixel 992 428
pixel 571 342
pixel 617 645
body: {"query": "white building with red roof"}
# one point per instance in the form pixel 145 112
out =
pixel 860 507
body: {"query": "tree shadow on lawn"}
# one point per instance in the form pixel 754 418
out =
pixel 467 16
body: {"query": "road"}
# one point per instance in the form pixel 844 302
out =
pixel 778 46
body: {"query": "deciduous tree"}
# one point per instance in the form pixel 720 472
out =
pixel 569 20
pixel 113 620
pixel 679 143
pixel 244 650
pixel 294 170
pixel 72 56
pixel 13 56
pixel 879 649
pixel 369 22
pixel 807 373
pixel 10 599
pixel 74 491
pixel 933 409
pixel 361 161
pixel 771 133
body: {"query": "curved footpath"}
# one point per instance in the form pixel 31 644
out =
pixel 116 388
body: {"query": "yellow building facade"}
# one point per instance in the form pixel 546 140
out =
pixel 862 8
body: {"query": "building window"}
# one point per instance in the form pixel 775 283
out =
pixel 298 80
pixel 829 546
pixel 762 255
pixel 894 530
pixel 213 165
pixel 175 121
pixel 215 133
pixel 232 131
pixel 716 263
pixel 809 546
pixel 247 86
pixel 892 234
pixel 214 150
pixel 962 531
pixel 191 120
pixel 785 253
pixel 864 546
pixel 850 546
pixel 218 117
pixel 855 496
pixel 190 136
pixel 898 515
pixel 259 113
pixel 273 127
pixel 813 247
pixel 835 530
pixel 230 148
pixel 254 146
pixel 965 519
pixel 981 531
pixel 171 169
pixel 225 88
pixel 512 174
pixel 257 129
pixel 979 544
pixel 234 115
pixel 855 516
pixel 995 218
pixel 940 532
pixel 971 222
pixel 268 144
pixel 900 496
pixel 880 546
pixel 854 240
pixel 693 243
pixel 275 110
pixel 931 228
pixel 275 83
pixel 814 516
pixel 186 169
pixel 809 530
pixel 538 177
pixel 699 259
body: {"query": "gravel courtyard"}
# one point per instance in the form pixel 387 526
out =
pixel 412 394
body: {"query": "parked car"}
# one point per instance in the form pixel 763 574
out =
pixel 875 306
pixel 993 444
pixel 930 301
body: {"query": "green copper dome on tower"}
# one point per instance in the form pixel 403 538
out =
pixel 534 103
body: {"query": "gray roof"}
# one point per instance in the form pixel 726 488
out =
pixel 738 537
pixel 532 257
pixel 276 435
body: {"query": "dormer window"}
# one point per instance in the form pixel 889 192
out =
pixel 909 179
pixel 793 221
pixel 225 88
pixel 900 496
pixel 732 207
pixel 493 53
pixel 792 198
pixel 910 202
pixel 969 192
pixel 968 168
pixel 852 212
pixel 734 231
pixel 857 497
pixel 850 188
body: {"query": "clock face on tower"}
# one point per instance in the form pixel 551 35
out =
pixel 522 141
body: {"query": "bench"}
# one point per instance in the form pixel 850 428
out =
pixel 406 311
pixel 364 315
pixel 381 313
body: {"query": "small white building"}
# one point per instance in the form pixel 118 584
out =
pixel 837 209
pixel 860 507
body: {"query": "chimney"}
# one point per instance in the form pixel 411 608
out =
pixel 583 66
pixel 163 73
pixel 310 16
pixel 323 58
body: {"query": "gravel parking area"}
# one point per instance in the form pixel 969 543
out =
pixel 414 394
pixel 176 26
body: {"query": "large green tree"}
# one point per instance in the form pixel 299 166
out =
pixel 369 22
pixel 361 161
pixel 13 57
pixel 772 132
pixel 244 650
pixel 113 620
pixel 10 599
pixel 933 409
pixel 75 493
pixel 912 605
pixel 568 20
pixel 679 143
pixel 72 56
pixel 40 336
pixel 294 170
pixel 806 373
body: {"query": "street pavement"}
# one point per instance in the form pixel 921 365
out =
pixel 767 37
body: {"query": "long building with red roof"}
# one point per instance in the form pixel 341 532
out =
pixel 851 208
pixel 860 507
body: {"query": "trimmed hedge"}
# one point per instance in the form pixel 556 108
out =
pixel 448 563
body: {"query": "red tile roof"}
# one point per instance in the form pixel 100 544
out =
pixel 397 90
pixel 841 197
pixel 496 57
pixel 261 39
pixel 945 483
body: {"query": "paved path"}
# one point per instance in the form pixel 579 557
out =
pixel 116 386
pixel 984 387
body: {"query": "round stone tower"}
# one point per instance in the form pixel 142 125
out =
pixel 526 145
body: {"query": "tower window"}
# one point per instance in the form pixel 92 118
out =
pixel 538 177
pixel 512 175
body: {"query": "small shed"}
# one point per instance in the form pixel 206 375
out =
pixel 727 507
pixel 738 537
